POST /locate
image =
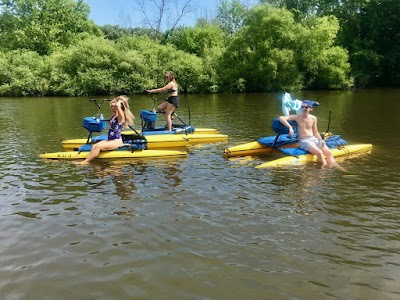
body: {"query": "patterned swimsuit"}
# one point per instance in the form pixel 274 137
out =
pixel 114 132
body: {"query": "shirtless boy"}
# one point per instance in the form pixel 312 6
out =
pixel 309 138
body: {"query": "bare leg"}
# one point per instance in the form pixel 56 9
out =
pixel 168 115
pixel 330 159
pixel 162 107
pixel 100 146
pixel 321 158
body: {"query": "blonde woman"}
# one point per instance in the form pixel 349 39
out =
pixel 122 117
pixel 172 102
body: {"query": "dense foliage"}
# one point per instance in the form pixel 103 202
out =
pixel 369 30
pixel 42 25
pixel 50 47
pixel 273 51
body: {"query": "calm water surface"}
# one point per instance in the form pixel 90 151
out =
pixel 200 227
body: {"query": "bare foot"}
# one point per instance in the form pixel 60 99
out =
pixel 80 162
pixel 336 165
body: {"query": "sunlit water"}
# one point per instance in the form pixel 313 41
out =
pixel 204 226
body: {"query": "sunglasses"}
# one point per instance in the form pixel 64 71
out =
pixel 305 107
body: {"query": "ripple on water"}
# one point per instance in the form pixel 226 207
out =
pixel 197 227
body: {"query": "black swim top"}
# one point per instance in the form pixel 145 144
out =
pixel 171 91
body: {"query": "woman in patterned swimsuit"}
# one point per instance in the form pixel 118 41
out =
pixel 122 117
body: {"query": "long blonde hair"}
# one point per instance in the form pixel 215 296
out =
pixel 129 117
pixel 171 75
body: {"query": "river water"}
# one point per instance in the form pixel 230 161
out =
pixel 204 226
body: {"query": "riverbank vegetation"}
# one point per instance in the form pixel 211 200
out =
pixel 51 47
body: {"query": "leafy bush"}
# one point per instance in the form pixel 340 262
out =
pixel 22 72
pixel 273 51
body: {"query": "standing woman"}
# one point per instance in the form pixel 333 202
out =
pixel 172 102
pixel 122 117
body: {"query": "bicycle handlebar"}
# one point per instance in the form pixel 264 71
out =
pixel 98 103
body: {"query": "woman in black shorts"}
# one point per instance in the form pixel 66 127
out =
pixel 172 102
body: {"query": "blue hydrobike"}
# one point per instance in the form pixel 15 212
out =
pixel 281 142
pixel 134 145
pixel 97 123
pixel 157 137
pixel 149 119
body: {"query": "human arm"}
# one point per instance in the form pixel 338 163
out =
pixel 163 89
pixel 284 120
pixel 120 112
pixel 316 132
pixel 315 129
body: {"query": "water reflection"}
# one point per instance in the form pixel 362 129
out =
pixel 203 222
pixel 172 175
pixel 121 176
pixel 305 187
pixel 131 181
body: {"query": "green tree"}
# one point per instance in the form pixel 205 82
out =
pixel 86 68
pixel 42 25
pixel 368 30
pixel 155 59
pixel 115 32
pixel 197 40
pixel 273 51
pixel 22 73
pixel 261 56
pixel 375 50
pixel 207 42
pixel 323 64
pixel 230 16
pixel 132 64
